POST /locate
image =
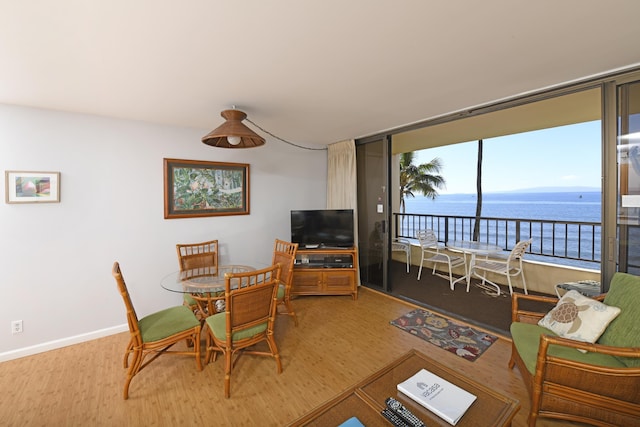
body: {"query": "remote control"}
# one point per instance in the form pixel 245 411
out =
pixel 394 418
pixel 403 412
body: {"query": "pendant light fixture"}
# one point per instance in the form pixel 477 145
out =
pixel 233 133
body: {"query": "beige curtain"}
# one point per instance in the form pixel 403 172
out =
pixel 342 192
pixel 341 176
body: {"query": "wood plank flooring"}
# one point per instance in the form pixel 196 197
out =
pixel 338 342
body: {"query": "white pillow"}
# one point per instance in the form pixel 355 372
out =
pixel 579 318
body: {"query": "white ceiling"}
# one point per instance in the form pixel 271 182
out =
pixel 313 72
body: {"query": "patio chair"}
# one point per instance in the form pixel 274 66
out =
pixel 433 251
pixel 511 267
pixel 402 245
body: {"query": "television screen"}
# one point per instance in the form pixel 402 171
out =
pixel 322 228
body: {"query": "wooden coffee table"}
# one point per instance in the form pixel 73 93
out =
pixel 366 399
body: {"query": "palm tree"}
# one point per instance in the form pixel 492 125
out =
pixel 422 178
pixel 476 226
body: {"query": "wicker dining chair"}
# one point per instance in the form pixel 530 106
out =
pixel 197 256
pixel 284 253
pixel 249 318
pixel 156 333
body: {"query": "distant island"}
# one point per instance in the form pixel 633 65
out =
pixel 556 190
pixel 542 190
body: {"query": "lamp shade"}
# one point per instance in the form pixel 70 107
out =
pixel 226 135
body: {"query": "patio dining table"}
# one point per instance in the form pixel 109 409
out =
pixel 474 249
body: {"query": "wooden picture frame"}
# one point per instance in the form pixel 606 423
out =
pixel 32 187
pixel 195 188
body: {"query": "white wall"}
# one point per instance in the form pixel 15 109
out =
pixel 56 258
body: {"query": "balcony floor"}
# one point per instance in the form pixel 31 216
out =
pixel 477 307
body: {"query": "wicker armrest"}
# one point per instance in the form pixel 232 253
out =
pixel 546 340
pixel 520 314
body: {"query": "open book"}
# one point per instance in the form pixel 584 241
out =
pixel 438 395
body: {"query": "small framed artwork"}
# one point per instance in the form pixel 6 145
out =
pixel 32 187
pixel 194 188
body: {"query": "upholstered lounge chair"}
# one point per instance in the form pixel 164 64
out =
pixel 600 386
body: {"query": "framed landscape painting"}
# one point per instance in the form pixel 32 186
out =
pixel 194 188
pixel 32 187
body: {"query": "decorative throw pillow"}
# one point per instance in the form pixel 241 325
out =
pixel 579 318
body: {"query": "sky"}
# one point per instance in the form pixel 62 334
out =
pixel 564 156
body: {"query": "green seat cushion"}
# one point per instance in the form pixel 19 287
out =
pixel 218 325
pixel 188 299
pixel 624 292
pixel 281 291
pixel 526 338
pixel 167 322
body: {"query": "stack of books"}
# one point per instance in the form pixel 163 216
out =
pixel 438 395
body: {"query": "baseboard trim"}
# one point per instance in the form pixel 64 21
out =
pixel 64 342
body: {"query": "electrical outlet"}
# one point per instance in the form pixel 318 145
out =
pixel 16 327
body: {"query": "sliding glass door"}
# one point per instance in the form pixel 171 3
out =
pixel 373 212
pixel 628 149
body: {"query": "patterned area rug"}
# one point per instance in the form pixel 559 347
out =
pixel 462 340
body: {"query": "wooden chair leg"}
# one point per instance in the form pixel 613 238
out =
pixel 128 351
pixel 134 368
pixel 274 351
pixel 512 360
pixel 209 351
pixel 196 344
pixel 227 374
pixel 290 312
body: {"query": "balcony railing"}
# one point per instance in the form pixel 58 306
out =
pixel 565 242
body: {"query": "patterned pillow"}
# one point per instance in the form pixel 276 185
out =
pixel 579 318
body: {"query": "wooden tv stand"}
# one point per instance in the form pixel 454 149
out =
pixel 326 271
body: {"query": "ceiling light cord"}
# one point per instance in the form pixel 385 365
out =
pixel 285 141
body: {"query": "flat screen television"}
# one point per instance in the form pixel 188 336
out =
pixel 322 228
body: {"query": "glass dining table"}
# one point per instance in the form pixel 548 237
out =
pixel 472 248
pixel 206 285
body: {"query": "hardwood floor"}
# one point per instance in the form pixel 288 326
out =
pixel 337 343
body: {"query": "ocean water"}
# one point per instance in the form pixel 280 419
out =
pixel 566 206
pixel 562 206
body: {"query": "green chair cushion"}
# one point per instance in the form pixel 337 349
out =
pixel 624 292
pixel 167 322
pixel 218 325
pixel 526 338
pixel 281 291
pixel 188 299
